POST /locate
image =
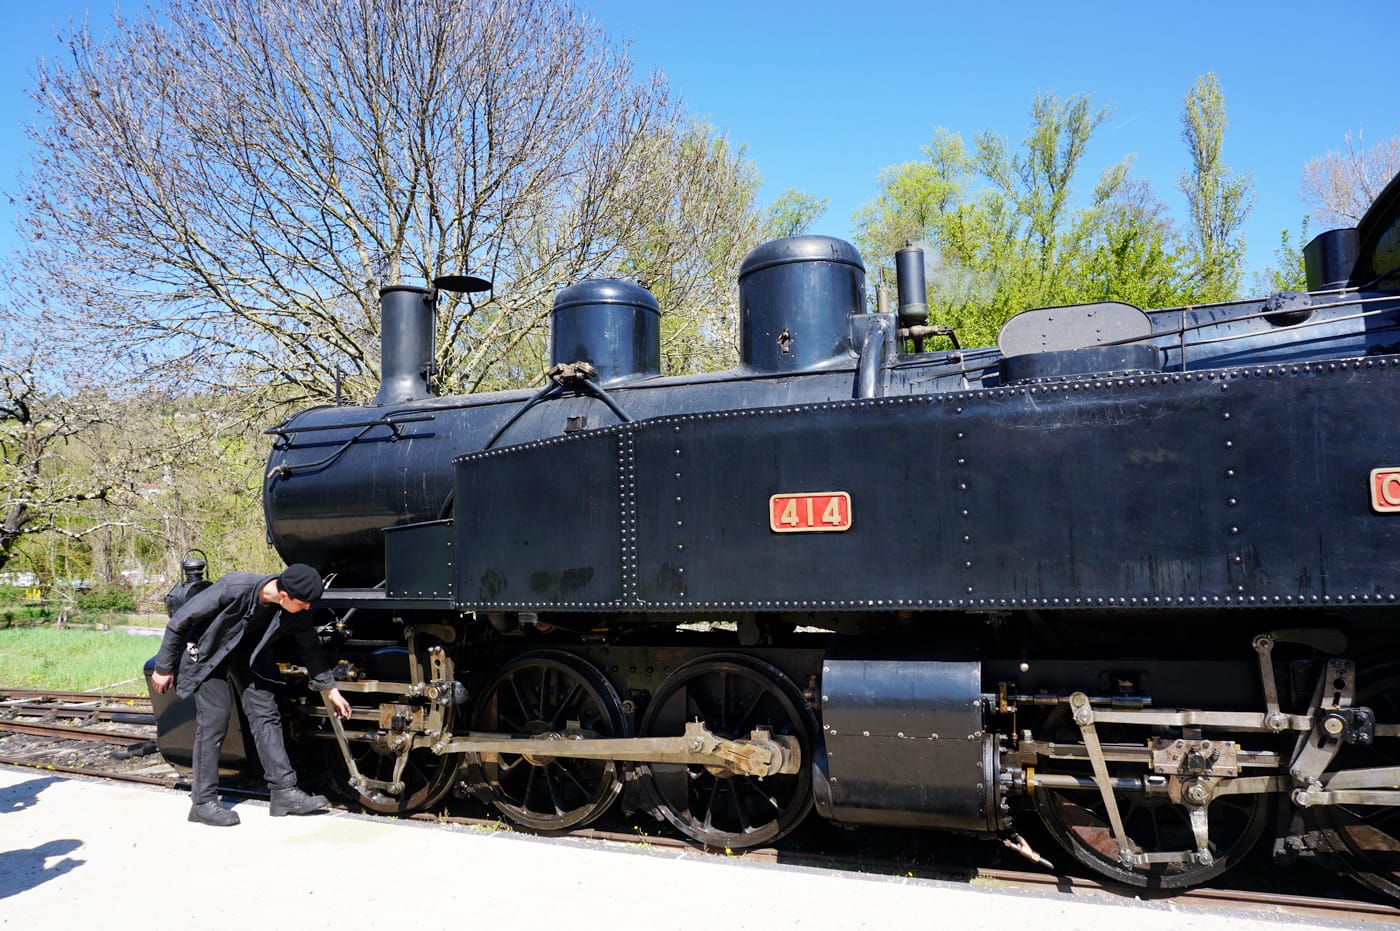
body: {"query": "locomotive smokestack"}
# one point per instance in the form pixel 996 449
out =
pixel 406 344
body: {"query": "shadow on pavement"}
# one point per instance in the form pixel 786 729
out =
pixel 21 870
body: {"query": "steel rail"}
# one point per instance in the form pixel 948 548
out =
pixel 68 732
pixel 8 694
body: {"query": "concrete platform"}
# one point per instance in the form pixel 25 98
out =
pixel 77 853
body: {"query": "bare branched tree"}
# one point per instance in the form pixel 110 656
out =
pixel 224 186
pixel 59 456
pixel 1339 186
pixel 687 203
pixel 97 479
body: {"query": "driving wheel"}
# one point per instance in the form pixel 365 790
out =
pixel 1368 835
pixel 732 695
pixel 1078 820
pixel 553 695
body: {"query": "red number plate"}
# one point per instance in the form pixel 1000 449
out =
pixel 1385 490
pixel 819 512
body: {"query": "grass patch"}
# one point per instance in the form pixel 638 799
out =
pixel 73 660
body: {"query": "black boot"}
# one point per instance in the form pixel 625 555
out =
pixel 213 813
pixel 293 801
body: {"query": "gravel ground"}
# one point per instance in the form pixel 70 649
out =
pixel 88 755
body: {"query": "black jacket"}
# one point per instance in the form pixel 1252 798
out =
pixel 213 623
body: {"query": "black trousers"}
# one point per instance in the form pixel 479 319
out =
pixel 213 700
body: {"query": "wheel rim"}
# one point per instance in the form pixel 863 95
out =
pixel 1369 835
pixel 732 695
pixel 427 776
pixel 538 694
pixel 1079 822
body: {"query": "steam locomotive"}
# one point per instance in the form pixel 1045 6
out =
pixel 1131 574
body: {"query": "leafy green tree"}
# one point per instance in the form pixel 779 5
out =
pixel 1289 272
pixel 1037 183
pixel 1130 252
pixel 792 213
pixel 915 202
pixel 1003 232
pixel 1219 200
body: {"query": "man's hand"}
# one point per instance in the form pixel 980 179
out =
pixel 338 702
pixel 162 681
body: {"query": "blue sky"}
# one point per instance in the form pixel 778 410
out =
pixel 825 94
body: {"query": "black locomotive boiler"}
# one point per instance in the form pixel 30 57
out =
pixel 1131 573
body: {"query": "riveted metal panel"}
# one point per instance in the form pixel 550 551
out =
pixel 545 525
pixel 708 480
pixel 1226 488
pixel 1297 511
pixel 1090 488
pixel 1220 489
pixel 418 560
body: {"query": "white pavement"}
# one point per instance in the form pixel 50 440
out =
pixel 76 853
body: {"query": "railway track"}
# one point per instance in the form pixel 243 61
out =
pixel 35 733
pixel 31 705
pixel 108 736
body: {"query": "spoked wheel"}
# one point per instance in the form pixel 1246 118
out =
pixel 731 695
pixel 539 695
pixel 1078 819
pixel 1369 835
pixel 427 776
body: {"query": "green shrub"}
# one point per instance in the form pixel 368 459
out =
pixel 23 615
pixel 114 599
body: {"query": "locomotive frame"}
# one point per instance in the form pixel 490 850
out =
pixel 1130 574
